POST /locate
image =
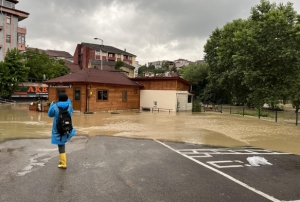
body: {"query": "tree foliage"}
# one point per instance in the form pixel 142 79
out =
pixel 42 66
pixel 256 61
pixel 118 65
pixel 196 74
pixel 18 67
pixel 14 72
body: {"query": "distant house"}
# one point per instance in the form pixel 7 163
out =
pixel 60 55
pixel 165 92
pixel 161 63
pixel 56 54
pixel 97 90
pixel 199 61
pixel 181 63
pixel 89 55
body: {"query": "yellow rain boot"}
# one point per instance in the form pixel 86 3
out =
pixel 62 161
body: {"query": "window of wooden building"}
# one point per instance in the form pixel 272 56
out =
pixel 124 96
pixel 60 91
pixel 102 95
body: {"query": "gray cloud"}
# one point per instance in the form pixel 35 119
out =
pixel 152 30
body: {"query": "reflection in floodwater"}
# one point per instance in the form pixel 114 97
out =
pixel 210 128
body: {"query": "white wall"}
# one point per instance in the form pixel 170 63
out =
pixel 182 99
pixel 165 99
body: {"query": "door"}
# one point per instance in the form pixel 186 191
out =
pixel 77 99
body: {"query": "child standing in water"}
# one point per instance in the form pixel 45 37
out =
pixel 56 138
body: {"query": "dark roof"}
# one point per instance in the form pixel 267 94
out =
pixel 110 63
pixel 56 53
pixel 72 66
pixel 95 76
pixel 105 48
pixel 161 78
pixel 53 53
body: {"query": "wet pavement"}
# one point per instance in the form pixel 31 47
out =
pixel 164 157
pixel 125 169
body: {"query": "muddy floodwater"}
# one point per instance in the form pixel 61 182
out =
pixel 209 128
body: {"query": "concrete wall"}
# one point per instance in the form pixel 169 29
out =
pixel 164 98
pixel 168 99
pixel 182 102
pixel 8 29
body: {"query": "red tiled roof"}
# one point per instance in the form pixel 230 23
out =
pixel 56 53
pixel 72 66
pixel 95 76
pixel 53 53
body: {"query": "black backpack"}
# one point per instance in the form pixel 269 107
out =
pixel 64 122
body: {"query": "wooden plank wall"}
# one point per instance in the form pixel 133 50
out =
pixel 114 101
pixel 114 97
pixel 164 85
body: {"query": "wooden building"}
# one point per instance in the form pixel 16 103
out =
pixel 92 90
pixel 165 92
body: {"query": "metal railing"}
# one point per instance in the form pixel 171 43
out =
pixel 6 101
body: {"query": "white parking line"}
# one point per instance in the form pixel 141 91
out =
pixel 221 173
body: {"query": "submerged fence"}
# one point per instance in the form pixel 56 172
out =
pixel 286 116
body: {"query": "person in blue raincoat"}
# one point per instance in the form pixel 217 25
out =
pixel 63 101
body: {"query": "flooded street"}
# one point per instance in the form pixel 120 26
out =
pixel 210 128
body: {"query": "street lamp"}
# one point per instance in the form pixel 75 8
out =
pixel 100 50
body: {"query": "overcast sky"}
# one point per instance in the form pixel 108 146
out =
pixel 150 29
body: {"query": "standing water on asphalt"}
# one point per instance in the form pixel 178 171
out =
pixel 209 128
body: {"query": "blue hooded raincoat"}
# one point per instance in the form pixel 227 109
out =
pixel 53 112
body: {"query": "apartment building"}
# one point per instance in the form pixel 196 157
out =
pixel 12 35
pixel 161 63
pixel 95 56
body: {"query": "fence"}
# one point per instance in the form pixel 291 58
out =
pixel 6 101
pixel 286 116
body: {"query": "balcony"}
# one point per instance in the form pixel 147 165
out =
pixel 22 29
pixel 21 47
pixel 127 61
pixel 111 58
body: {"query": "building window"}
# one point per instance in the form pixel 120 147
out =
pixel 77 94
pixel 125 57
pixel 8 19
pixel 102 95
pixel 7 38
pixel 190 98
pixel 21 38
pixel 124 96
pixel 130 58
pixel 110 55
pixel 60 91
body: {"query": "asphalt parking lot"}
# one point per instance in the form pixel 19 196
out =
pixel 121 169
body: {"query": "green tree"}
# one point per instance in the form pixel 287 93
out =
pixel 15 71
pixel 196 74
pixel 174 69
pixel 118 65
pixel 141 70
pixel 166 65
pixel 4 78
pixel 42 66
pixel 253 61
pixel 268 52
